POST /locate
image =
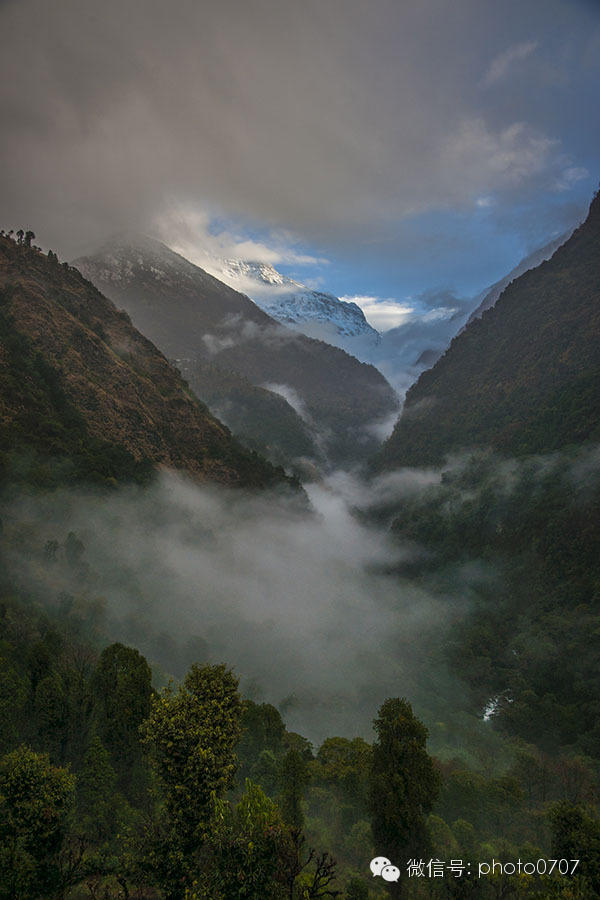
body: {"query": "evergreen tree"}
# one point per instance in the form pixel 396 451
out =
pixel 121 692
pixel 96 800
pixel 294 777
pixel 403 786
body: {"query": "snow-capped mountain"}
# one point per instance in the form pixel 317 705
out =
pixel 315 313
pixel 287 395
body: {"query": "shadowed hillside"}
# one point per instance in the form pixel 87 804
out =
pixel 190 314
pixel 524 377
pixel 83 390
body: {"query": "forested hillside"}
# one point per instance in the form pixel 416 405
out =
pixel 524 377
pixel 86 396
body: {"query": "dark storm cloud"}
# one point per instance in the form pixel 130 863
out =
pixel 313 116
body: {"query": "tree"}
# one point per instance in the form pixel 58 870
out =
pixel 263 732
pixel 122 690
pixel 294 776
pixel 35 800
pixel 13 700
pixel 345 765
pixel 191 735
pixel 243 858
pixel 356 889
pixel 96 792
pixel 52 715
pixel 403 786
pixel 29 237
pixel 576 835
pixel 308 875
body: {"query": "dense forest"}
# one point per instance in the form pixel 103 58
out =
pixel 113 786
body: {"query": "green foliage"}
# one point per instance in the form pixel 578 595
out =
pixel 260 419
pixel 261 745
pixel 531 638
pixel 35 800
pixel 13 700
pixel 96 793
pixel 576 835
pixel 403 783
pixel 190 734
pixel 121 688
pixel 245 851
pixel 356 889
pixel 294 777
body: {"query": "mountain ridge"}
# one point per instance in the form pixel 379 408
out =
pixel 523 377
pixel 289 301
pixel 488 297
pixel 78 378
pixel 197 317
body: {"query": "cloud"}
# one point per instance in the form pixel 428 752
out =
pixel 199 237
pixel 501 158
pixel 322 118
pixel 303 604
pixel 381 314
pixel 293 398
pixel 571 176
pixel 431 321
pixel 502 65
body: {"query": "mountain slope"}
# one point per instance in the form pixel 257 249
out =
pixel 261 419
pixel 82 388
pixel 524 377
pixel 490 295
pixel 192 315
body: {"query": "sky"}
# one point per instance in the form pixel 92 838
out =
pixel 383 150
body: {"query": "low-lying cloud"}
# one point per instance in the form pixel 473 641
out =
pixel 305 606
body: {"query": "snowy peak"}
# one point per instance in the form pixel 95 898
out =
pixel 289 301
pixel 263 273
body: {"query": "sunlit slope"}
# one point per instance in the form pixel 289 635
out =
pixel 525 377
pixel 82 390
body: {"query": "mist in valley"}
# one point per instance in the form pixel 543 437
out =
pixel 305 604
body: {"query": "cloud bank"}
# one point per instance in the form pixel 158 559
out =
pixel 305 606
pixel 328 118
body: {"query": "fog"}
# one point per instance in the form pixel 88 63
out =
pixel 304 605
pixel 316 606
